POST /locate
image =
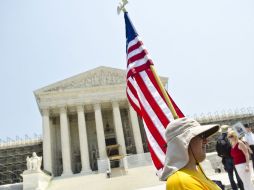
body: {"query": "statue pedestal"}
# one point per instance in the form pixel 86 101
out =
pixel 35 180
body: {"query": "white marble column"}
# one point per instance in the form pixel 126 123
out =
pixel 136 131
pixel 100 131
pixel 84 151
pixel 65 142
pixel 119 127
pixel 47 148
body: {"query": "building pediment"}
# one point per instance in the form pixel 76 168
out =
pixel 102 84
pixel 100 76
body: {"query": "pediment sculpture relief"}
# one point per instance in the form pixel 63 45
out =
pixel 99 78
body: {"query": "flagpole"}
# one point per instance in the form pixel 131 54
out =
pixel 168 101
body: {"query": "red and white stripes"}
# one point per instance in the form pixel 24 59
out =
pixel 146 98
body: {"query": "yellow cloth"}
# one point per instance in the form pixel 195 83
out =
pixel 190 180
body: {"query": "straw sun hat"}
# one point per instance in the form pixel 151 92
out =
pixel 224 128
pixel 178 136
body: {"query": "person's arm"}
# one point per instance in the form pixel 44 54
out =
pixel 248 146
pixel 244 138
pixel 244 149
pixel 217 149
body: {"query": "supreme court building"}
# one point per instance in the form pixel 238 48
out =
pixel 90 128
pixel 87 120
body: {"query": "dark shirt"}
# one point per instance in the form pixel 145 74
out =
pixel 223 146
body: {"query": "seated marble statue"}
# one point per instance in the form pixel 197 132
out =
pixel 33 163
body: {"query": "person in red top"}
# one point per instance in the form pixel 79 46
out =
pixel 240 155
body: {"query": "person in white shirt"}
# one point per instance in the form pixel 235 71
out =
pixel 249 138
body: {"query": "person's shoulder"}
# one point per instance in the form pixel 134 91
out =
pixel 221 136
pixel 242 145
pixel 173 181
pixel 177 180
pixel 241 142
pixel 187 180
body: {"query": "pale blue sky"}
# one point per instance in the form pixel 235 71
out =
pixel 206 48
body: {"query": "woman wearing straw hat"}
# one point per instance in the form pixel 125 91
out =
pixel 240 155
pixel 186 148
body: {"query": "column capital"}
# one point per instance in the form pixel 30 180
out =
pixel 115 104
pixel 63 109
pixel 80 108
pixel 97 106
pixel 45 112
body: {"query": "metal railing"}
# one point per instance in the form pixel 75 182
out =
pixel 9 143
pixel 225 115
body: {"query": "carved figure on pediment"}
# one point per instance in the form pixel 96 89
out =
pixel 115 78
pixel 97 78
pixel 89 82
pixel 101 79
pixel 109 79
pixel 120 78
pixel 92 80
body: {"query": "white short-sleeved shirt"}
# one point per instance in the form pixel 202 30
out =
pixel 249 138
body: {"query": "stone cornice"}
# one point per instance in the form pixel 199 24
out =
pixel 81 96
pixel 75 92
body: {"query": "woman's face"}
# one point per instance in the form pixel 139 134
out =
pixel 198 147
pixel 232 138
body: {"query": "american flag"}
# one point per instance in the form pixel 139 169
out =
pixel 145 96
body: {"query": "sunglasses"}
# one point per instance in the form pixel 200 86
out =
pixel 202 136
pixel 230 136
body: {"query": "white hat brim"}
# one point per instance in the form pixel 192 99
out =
pixel 177 149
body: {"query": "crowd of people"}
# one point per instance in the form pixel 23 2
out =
pixel 236 151
pixel 186 148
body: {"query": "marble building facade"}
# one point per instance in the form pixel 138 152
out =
pixel 84 115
